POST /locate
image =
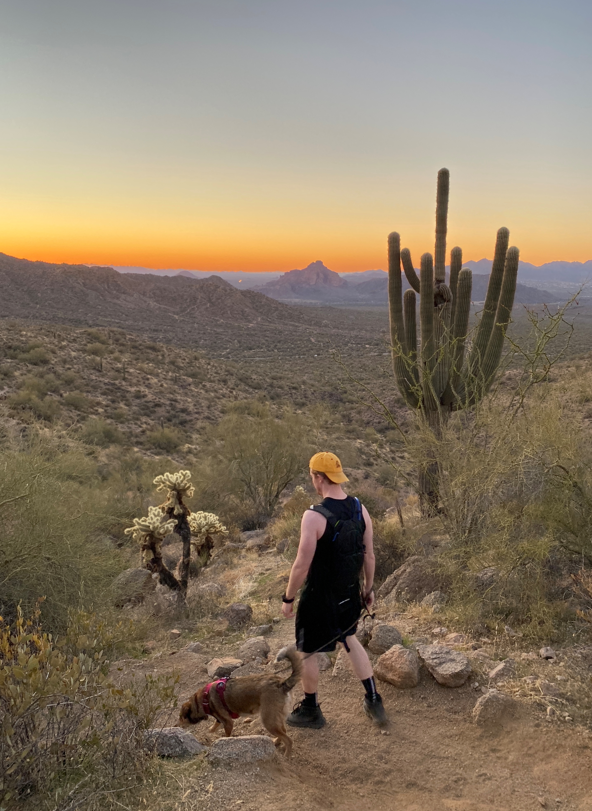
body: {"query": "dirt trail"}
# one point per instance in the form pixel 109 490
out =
pixel 433 759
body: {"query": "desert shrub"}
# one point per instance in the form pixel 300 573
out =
pixel 391 547
pixel 257 456
pixel 95 336
pixel 287 526
pixel 69 736
pixel 77 401
pixel 6 372
pixel 97 431
pixel 37 356
pixel 165 439
pixel 44 408
pixel 69 378
pixel 54 511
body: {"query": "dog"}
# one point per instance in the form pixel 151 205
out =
pixel 245 695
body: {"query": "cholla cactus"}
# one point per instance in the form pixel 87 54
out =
pixel 153 524
pixel 178 487
pixel 203 524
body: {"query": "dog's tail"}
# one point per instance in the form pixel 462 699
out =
pixel 293 656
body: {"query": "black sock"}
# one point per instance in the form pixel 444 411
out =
pixel 369 687
pixel 310 700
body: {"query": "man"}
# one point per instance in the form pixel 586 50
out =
pixel 335 548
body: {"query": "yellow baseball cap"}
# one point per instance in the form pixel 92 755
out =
pixel 330 465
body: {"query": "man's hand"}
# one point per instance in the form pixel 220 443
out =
pixel 369 599
pixel 287 610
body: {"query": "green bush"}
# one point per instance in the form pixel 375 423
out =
pixel 77 401
pixel 36 356
pixel 55 514
pixel 165 439
pixel 99 432
pixel 44 408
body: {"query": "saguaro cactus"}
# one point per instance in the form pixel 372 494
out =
pixel 440 376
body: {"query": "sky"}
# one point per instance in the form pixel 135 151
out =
pixel 259 135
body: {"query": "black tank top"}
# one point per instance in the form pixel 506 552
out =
pixel 319 573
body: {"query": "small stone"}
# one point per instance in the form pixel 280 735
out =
pixel 456 639
pixel 542 801
pixel 383 638
pixel 238 614
pixel 547 653
pixel 504 670
pixel 449 668
pixel 194 647
pixel 260 630
pixel 549 689
pixel 255 648
pixel 435 599
pixel 551 712
pixel 219 668
pixel 172 742
pixel 175 633
pixel 510 632
pixel 439 631
pixel 492 707
pixel 281 546
pixel 324 662
pixel 246 749
pixel 132 587
pixel 398 666
pixel 149 647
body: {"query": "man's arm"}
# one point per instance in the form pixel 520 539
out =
pixel 311 528
pixel 369 560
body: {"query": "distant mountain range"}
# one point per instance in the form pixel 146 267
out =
pixel 316 283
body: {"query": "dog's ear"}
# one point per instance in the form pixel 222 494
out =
pixel 192 710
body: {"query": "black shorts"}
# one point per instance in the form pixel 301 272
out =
pixel 323 620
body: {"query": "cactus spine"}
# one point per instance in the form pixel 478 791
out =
pixel 437 378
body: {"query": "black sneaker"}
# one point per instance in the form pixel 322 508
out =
pixel 374 709
pixel 304 716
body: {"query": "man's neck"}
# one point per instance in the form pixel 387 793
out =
pixel 333 491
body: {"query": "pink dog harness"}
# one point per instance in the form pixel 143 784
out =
pixel 220 685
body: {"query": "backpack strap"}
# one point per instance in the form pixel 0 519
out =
pixel 318 508
pixel 358 510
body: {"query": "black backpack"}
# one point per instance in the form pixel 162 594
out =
pixel 346 555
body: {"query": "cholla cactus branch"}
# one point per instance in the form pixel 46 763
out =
pixel 152 524
pixel 177 485
pixel 202 524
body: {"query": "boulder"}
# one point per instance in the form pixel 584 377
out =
pixel 255 648
pixel 364 633
pixel 455 639
pixel 547 653
pixel 547 688
pixel 238 614
pixel 450 668
pixel 219 668
pixel 485 578
pixel 435 599
pixel 282 546
pixel 194 647
pixel 207 591
pixel 504 670
pixel 246 749
pixel 383 638
pixel 149 647
pixel 260 630
pixel 414 580
pixel 172 742
pixel 132 587
pixel 492 708
pixel 398 666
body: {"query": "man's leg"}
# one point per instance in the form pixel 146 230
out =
pixel 363 669
pixel 308 713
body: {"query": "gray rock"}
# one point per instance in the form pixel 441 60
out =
pixel 324 661
pixel 218 668
pixel 364 633
pixel 383 638
pixel 247 749
pixel 281 546
pixel 132 587
pixel 492 708
pixel 260 630
pixel 504 670
pixel 450 668
pixel 194 647
pixel 238 614
pixel 253 535
pixel 456 639
pixel 486 578
pixel 255 648
pixel 549 689
pixel 547 653
pixel 414 580
pixel 398 666
pixel 256 543
pixel 435 599
pixel 209 590
pixel 172 742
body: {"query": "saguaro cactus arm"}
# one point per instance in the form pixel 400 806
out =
pixel 401 366
pixel 455 268
pixel 410 273
pixel 502 318
pixel 441 225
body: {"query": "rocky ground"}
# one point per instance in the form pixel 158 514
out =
pixel 514 734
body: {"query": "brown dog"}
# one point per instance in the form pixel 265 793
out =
pixel 244 695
